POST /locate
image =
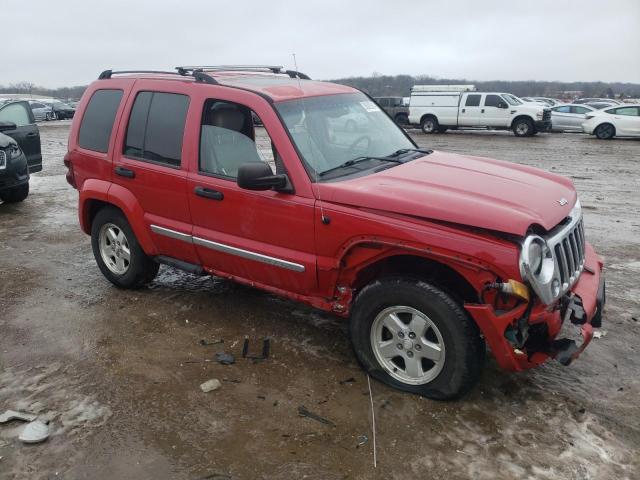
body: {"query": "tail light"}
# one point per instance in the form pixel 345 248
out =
pixel 71 178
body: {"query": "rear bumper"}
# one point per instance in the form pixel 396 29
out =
pixel 543 125
pixel 581 308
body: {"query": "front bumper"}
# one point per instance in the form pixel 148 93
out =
pixel 543 125
pixel 15 173
pixel 582 306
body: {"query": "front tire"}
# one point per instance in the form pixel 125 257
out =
pixel 606 131
pixel 429 125
pixel 117 251
pixel 414 337
pixel 523 127
pixel 16 194
pixel 402 119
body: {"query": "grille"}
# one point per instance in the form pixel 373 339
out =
pixel 569 252
pixel 546 114
pixel 3 159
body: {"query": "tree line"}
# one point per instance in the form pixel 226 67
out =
pixel 378 85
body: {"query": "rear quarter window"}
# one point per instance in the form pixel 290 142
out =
pixel 98 118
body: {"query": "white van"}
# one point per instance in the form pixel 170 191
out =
pixel 437 108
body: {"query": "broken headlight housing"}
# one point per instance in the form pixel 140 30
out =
pixel 552 264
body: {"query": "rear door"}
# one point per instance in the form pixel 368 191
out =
pixel 494 111
pixel 148 162
pixel 469 109
pixel 627 120
pixel 26 132
pixel 577 117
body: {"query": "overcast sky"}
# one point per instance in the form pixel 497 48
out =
pixel 68 42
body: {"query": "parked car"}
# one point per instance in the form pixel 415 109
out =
pixel 395 108
pixel 569 117
pixel 20 124
pixel 431 255
pixel 436 110
pixel 41 111
pixel 600 105
pixel 589 100
pixel 620 121
pixel 61 111
pixel 14 171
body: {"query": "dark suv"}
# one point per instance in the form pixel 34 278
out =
pixel 395 108
pixel 19 150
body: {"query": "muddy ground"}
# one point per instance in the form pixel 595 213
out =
pixel 110 368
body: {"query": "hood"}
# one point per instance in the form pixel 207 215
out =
pixel 473 191
pixel 6 141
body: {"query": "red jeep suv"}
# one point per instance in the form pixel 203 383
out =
pixel 431 256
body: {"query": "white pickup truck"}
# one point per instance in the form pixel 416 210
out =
pixel 437 108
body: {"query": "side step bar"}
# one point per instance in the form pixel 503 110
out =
pixel 180 265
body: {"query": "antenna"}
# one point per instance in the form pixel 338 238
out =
pixel 325 220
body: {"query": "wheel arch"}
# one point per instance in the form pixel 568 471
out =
pixel 427 115
pixel 521 116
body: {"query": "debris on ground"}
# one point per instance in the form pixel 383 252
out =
pixel 34 432
pixel 304 412
pixel 225 358
pixel 266 346
pixel 206 343
pixel 599 333
pixel 13 415
pixel 210 385
pixel 362 440
pixel 348 381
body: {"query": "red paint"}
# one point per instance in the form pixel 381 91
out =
pixel 444 208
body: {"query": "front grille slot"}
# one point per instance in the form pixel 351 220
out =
pixel 569 253
pixel 3 159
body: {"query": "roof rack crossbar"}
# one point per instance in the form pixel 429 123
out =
pixel 276 69
pixel 198 75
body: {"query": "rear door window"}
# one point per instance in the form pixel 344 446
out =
pixel 156 128
pixel 630 111
pixel 98 118
pixel 472 101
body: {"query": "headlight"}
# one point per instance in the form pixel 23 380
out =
pixel 536 261
pixel 14 152
pixel 539 114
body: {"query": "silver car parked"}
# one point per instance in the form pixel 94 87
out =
pixel 569 117
pixel 41 111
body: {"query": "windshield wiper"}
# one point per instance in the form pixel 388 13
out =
pixel 350 163
pixel 402 151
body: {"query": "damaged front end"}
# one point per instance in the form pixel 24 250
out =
pixel 528 333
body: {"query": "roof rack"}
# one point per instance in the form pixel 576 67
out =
pixel 197 74
pixel 276 69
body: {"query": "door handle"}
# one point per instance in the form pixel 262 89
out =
pixel 125 172
pixel 32 135
pixel 482 111
pixel 209 193
pixel 463 110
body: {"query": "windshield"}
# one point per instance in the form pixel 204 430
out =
pixel 511 99
pixel 331 130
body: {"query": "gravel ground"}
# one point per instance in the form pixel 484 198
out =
pixel 118 372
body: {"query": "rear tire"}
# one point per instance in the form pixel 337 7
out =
pixel 605 131
pixel 117 251
pixel 429 125
pixel 523 127
pixel 402 119
pixel 441 360
pixel 16 194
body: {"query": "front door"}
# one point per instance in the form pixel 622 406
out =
pixel 148 162
pixel 266 237
pixel 494 111
pixel 26 132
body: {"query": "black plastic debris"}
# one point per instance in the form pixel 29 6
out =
pixel 348 381
pixel 266 347
pixel 206 343
pixel 225 358
pixel 304 412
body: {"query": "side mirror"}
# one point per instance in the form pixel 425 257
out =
pixel 258 176
pixel 7 126
pixel 502 105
